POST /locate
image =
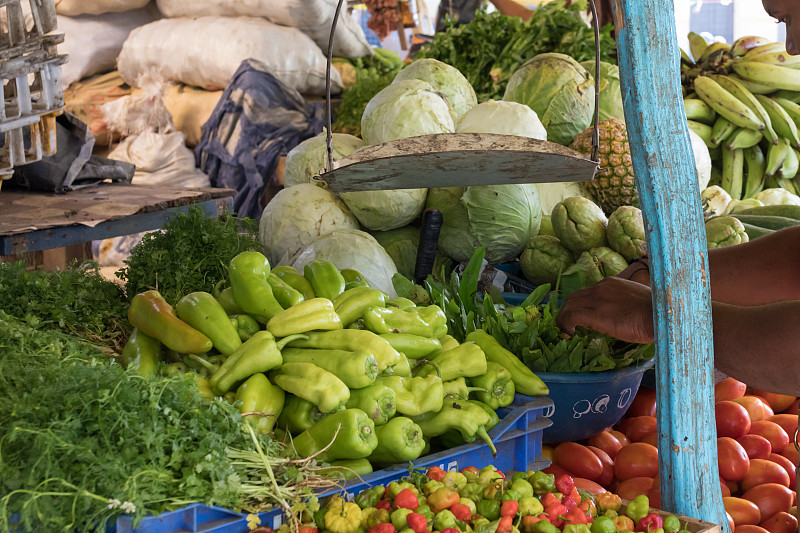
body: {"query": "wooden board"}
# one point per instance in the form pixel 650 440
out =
pixel 457 160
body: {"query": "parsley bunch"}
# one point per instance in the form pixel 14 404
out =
pixel 191 254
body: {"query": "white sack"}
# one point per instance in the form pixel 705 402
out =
pixel 312 17
pixel 96 7
pixel 93 42
pixel 207 51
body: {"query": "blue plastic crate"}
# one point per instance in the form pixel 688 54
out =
pixel 518 439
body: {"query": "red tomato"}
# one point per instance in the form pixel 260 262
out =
pixel 732 458
pixel 742 511
pixel 757 407
pixel 756 446
pixel 608 466
pixel 730 522
pixel 749 528
pixel 726 490
pixel 787 465
pixel 770 498
pixel 728 389
pixel 763 471
pixel 637 427
pixel 644 404
pixel 733 420
pixel 771 431
pixel 778 402
pixel 780 523
pixel 631 488
pixel 793 409
pixel 621 437
pixel 588 484
pixel 733 487
pixel 654 495
pixel 556 470
pixel 636 460
pixel 651 439
pixel 606 441
pixel 578 459
pixel 786 421
pixel 790 452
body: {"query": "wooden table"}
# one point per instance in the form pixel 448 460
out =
pixel 32 221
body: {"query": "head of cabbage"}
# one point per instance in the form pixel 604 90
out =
pixel 559 89
pixel 352 248
pixel 444 78
pixel 610 93
pixel 501 218
pixel 296 216
pixel 502 118
pixel 407 108
pixel 308 158
pixel 385 210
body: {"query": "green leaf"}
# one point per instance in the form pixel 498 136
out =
pixel 402 285
pixel 468 286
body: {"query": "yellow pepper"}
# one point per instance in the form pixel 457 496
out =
pixel 623 523
pixel 342 516
pixel 606 501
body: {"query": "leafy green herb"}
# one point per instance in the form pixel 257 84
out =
pixel 490 48
pixel 191 254
pixel 77 300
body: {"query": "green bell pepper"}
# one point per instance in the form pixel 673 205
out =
pixel 246 326
pixel 489 509
pixel 224 296
pixel 352 340
pixel 671 524
pixel 542 483
pixel 261 402
pixel 295 280
pixel 498 387
pixel 369 497
pixel 454 439
pixel 377 400
pixel 248 272
pixel 298 415
pixel 544 526
pixel 152 315
pixel 394 320
pixel 448 343
pixel 638 508
pixel 472 491
pixel 525 381
pixel 353 279
pixel 353 303
pixel 530 506
pixel 285 294
pixel 415 396
pixel 259 354
pixel 413 346
pixel 399 440
pixel 355 438
pixel 444 519
pixel 467 360
pixel 522 487
pixel 310 315
pixel 402 369
pixel 356 369
pixel 467 418
pixel 399 518
pixel 433 315
pixel 325 279
pixel 347 469
pixel 425 511
pixel 400 303
pixel 315 384
pixel 457 389
pixel 141 353
pixel 204 313
pixel 603 524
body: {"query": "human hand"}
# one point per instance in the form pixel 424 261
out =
pixel 614 306
pixel 638 271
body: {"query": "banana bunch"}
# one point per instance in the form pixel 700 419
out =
pixel 742 100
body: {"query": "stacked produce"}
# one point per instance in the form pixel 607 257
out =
pixel 353 375
pixel 741 98
pixel 487 500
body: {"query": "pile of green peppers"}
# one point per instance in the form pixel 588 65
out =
pixel 356 378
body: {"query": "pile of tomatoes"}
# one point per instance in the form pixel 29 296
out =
pixel 757 458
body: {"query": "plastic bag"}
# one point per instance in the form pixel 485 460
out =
pixel 96 7
pixel 206 52
pixel 94 42
pixel 312 17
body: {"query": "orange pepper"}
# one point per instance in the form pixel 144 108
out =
pixel 623 523
pixel 442 498
pixel 608 500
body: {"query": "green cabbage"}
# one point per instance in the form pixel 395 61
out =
pixel 502 118
pixel 610 93
pixel 445 79
pixel 385 210
pixel 306 159
pixel 561 92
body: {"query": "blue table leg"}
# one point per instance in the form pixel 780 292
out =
pixel 667 183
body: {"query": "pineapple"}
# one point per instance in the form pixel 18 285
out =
pixel 613 186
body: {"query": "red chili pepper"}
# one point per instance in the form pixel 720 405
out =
pixel 575 495
pixel 588 507
pixel 499 473
pixel 308 528
pixel 384 504
pixel 549 499
pixel 462 512
pixel 575 516
pixel 650 522
pixel 435 473
pixel 386 527
pixel 509 508
pixel 417 522
pixel 569 503
pixel 471 469
pixel 450 530
pixel 406 499
pixel 565 484
pixel 505 524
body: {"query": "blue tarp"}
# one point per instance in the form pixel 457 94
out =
pixel 257 120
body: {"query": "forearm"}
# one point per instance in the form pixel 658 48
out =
pixel 758 345
pixel 512 9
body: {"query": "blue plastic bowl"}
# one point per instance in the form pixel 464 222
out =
pixel 585 404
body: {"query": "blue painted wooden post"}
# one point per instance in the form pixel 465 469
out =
pixel 667 183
